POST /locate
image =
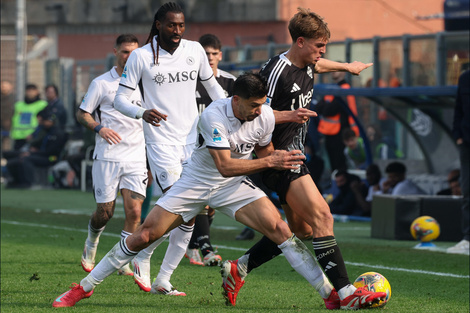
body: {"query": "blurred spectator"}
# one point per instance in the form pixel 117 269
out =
pixel 56 105
pixel 374 182
pixel 24 120
pixel 382 148
pixel 7 103
pixel 461 133
pixel 345 202
pixel 333 119
pixel 354 150
pixel 454 185
pixel 43 150
pixel 397 184
pixel 75 160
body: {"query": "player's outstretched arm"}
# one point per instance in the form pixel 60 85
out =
pixel 301 115
pixel 278 159
pixel 326 66
pixel 89 122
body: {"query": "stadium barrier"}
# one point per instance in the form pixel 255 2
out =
pixel 392 216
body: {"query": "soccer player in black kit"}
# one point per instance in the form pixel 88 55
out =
pixel 290 78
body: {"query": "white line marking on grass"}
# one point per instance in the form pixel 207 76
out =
pixel 244 249
pixel 407 270
pixel 58 227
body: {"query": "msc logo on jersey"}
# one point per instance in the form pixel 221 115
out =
pixel 258 133
pixel 124 72
pixel 177 77
pixel 243 148
pixel 159 79
pixel 216 135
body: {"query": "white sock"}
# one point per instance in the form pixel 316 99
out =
pixel 302 260
pixel 125 234
pixel 346 291
pixel 94 234
pixel 147 252
pixel 116 258
pixel 179 239
pixel 242 265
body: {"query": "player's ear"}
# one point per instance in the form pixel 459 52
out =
pixel 300 42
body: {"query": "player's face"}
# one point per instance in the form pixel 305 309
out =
pixel 248 109
pixel 171 30
pixel 214 56
pixel 123 51
pixel 313 49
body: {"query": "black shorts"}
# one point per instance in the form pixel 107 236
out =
pixel 279 181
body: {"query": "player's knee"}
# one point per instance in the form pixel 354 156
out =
pixel 283 230
pixel 304 234
pixel 325 219
pixel 133 214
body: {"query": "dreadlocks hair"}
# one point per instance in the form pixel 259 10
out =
pixel 159 16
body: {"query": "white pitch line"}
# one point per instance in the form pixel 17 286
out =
pixel 244 249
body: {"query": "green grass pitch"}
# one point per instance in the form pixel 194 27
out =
pixel 43 232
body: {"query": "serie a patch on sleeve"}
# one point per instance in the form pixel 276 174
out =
pixel 216 135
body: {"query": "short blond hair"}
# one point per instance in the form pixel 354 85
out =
pixel 309 25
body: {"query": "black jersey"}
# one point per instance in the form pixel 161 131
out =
pixel 290 88
pixel 224 79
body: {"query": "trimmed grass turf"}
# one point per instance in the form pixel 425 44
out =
pixel 40 258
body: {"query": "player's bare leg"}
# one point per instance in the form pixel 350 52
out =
pixel 263 216
pixel 132 209
pixel 307 203
pixel 97 224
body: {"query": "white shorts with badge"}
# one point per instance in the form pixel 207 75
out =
pixel 189 196
pixel 166 162
pixel 109 177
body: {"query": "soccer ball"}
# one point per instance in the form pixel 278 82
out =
pixel 375 282
pixel 425 229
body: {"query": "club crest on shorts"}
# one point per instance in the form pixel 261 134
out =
pixel 163 176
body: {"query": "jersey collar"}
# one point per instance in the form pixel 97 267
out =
pixel 114 73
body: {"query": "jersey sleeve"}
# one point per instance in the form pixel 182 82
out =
pixel 213 131
pixel 132 71
pixel 92 98
pixel 270 122
pixel 205 70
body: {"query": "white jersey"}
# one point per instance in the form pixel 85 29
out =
pixel 169 87
pixel 99 101
pixel 220 129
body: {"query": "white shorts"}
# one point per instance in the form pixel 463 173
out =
pixel 189 196
pixel 110 177
pixel 166 162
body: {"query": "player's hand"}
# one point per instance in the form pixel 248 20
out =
pixel 356 67
pixel 286 160
pixel 153 117
pixel 109 135
pixel 302 115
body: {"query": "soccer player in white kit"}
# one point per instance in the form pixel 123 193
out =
pixel 215 175
pixel 119 154
pixel 166 70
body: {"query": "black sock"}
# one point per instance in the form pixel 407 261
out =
pixel 263 251
pixel 329 256
pixel 202 234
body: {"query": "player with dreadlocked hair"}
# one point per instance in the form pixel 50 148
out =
pixel 161 13
pixel 166 70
